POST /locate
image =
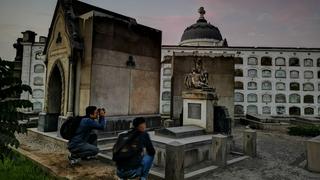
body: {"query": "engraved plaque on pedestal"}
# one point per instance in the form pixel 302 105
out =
pixel 194 111
pixel 198 109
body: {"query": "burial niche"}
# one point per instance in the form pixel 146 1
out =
pixel 280 61
pixel 294 111
pixel 266 61
pixel 294 62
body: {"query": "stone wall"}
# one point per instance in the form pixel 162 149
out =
pixel 125 68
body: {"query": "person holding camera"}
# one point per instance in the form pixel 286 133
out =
pixel 83 145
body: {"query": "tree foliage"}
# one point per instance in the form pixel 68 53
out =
pixel 10 89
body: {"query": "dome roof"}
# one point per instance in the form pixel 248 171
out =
pixel 201 30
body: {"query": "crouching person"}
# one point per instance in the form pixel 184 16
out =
pixel 134 152
pixel 83 145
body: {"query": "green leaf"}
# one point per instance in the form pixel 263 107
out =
pixel 10 91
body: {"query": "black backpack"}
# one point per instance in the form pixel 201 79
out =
pixel 126 147
pixel 69 127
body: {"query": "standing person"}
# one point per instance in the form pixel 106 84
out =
pixel 134 152
pixel 83 145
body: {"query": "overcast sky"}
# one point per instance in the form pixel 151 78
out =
pixel 293 23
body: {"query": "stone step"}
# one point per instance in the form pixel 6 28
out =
pixel 106 158
pixel 180 132
pixel 102 134
pixel 107 140
pixel 28 123
pixel 106 148
pixel 155 173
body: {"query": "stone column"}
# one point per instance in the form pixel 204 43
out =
pixel 219 149
pixel 174 167
pixel 210 116
pixel 71 87
pixel 26 68
pixel 250 142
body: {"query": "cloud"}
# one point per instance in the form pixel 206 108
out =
pixel 264 17
pixel 242 22
pixel 172 26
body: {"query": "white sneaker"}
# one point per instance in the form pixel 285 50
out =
pixel 73 161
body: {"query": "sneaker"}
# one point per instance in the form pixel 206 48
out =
pixel 88 158
pixel 73 160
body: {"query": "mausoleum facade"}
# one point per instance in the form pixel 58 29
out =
pixel 98 57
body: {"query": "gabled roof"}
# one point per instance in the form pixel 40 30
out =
pixel 78 8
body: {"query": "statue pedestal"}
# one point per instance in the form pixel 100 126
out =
pixel 198 108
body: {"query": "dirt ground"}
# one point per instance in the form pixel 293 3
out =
pixel 55 158
pixel 280 157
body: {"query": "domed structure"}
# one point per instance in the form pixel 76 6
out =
pixel 202 33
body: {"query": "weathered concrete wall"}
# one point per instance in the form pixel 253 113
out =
pixel 84 86
pixel 221 76
pixel 122 89
pixel 126 37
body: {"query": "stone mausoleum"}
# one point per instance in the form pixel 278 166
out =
pixel 98 57
pixel 177 61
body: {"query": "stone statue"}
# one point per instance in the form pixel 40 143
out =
pixel 19 49
pixel 198 78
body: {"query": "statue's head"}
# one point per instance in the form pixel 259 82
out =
pixel 206 74
pixel 19 40
pixel 198 65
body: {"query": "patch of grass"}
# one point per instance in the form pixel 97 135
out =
pixel 308 130
pixel 18 167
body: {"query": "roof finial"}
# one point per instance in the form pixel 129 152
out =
pixel 202 12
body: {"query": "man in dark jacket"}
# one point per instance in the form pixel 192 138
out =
pixel 140 164
pixel 84 144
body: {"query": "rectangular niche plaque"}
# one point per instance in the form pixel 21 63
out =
pixel 194 111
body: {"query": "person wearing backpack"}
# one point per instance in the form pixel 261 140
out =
pixel 83 145
pixel 134 152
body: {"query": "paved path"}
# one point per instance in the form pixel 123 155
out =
pixel 280 157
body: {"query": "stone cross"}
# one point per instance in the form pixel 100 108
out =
pixel 202 12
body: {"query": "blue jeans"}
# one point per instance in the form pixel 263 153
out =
pixel 87 149
pixel 142 171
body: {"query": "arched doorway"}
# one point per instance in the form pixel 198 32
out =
pixel 55 90
pixel 48 121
